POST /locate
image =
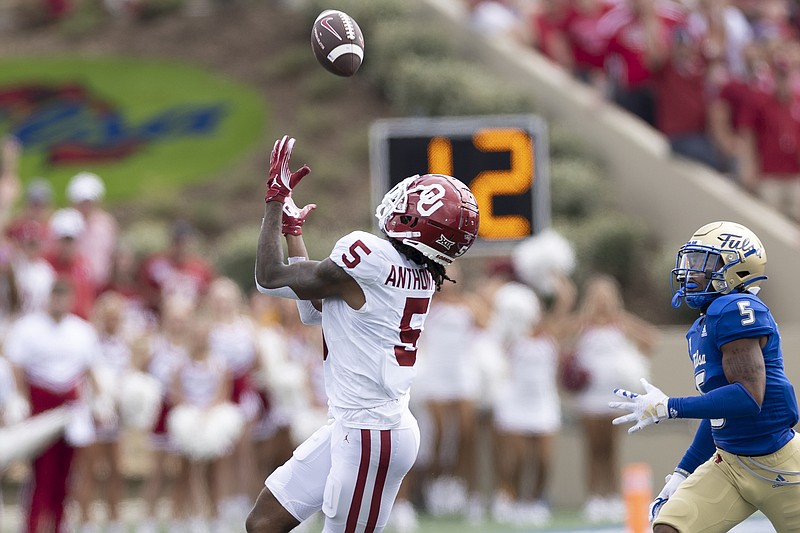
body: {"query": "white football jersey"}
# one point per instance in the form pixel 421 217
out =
pixel 370 352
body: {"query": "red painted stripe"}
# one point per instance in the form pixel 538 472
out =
pixel 361 481
pixel 380 480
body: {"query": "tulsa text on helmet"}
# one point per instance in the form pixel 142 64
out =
pixel 730 241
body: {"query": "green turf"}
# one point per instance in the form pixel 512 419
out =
pixel 141 89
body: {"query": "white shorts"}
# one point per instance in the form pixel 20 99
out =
pixel 352 475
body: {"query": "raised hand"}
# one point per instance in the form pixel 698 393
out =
pixel 646 409
pixel 294 217
pixel 281 180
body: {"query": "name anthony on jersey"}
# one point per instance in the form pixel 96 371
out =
pixel 408 278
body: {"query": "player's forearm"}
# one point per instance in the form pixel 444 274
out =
pixel 296 246
pixel 269 256
pixel 730 401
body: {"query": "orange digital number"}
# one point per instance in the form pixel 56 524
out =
pixel 516 180
pixel 440 156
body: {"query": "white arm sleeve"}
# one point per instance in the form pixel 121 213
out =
pixel 309 315
pixel 280 292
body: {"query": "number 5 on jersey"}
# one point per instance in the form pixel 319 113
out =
pixel 406 352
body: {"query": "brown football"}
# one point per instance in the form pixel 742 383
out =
pixel 337 42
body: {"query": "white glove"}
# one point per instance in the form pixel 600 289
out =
pixel 646 409
pixel 672 482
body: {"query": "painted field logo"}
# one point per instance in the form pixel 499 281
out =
pixel 149 128
pixel 73 126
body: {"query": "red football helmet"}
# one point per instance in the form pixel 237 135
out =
pixel 434 213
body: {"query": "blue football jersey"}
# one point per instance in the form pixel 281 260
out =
pixel 738 316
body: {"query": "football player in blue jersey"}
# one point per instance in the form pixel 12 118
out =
pixel 745 455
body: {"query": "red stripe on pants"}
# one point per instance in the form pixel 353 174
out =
pixel 361 481
pixel 380 480
pixel 50 469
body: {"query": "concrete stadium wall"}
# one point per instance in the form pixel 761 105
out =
pixel 674 197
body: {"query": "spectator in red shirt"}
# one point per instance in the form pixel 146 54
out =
pixel 66 226
pixel 178 270
pixel 638 33
pixel 85 191
pixel 587 44
pixel 544 30
pixel 723 31
pixel 771 132
pixel 681 103
pixel 730 98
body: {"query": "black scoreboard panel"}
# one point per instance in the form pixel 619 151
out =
pixel 502 159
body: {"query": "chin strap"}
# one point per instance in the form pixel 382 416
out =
pixel 677 298
pixel 680 294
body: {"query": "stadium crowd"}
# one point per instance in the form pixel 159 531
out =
pixel 720 79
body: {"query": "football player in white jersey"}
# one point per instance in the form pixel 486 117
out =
pixel 374 295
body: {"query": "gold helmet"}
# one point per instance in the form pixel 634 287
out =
pixel 719 258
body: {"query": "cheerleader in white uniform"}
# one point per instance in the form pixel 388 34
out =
pixel 204 426
pixel 447 386
pixel 104 453
pixel 233 341
pixel 165 353
pixel 527 410
pixel 610 346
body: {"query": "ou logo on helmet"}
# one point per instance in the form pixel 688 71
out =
pixel 430 199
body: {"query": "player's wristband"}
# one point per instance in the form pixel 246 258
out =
pixel 730 401
pixel 276 195
pixel 701 449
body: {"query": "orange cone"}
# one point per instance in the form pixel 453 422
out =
pixel 637 492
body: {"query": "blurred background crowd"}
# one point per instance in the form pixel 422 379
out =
pixel 195 390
